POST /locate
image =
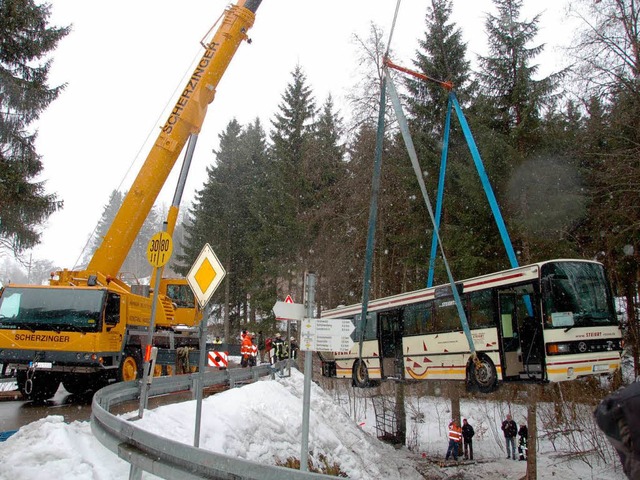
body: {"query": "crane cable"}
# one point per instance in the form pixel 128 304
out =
pixel 373 206
pixel 406 135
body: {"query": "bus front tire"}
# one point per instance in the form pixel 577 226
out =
pixel 360 375
pixel 482 375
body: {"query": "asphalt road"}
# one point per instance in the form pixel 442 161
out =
pixel 16 412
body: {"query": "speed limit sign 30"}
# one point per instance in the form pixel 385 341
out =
pixel 159 249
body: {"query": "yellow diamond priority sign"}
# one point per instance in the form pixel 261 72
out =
pixel 205 275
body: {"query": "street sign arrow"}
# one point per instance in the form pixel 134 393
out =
pixel 288 311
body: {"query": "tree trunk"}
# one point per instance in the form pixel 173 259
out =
pixel 532 427
pixel 455 404
pixel 401 414
pixel 227 299
pixel 632 321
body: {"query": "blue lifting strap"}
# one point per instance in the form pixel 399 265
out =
pixel 404 129
pixel 373 214
pixel 495 209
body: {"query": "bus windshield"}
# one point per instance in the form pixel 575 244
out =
pixel 57 309
pixel 576 294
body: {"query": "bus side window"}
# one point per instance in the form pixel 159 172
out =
pixel 447 314
pixel 481 310
pixel 417 318
pixel 370 332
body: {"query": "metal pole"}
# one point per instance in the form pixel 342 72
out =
pixel 144 386
pixel 200 380
pixel 289 348
pixel 310 290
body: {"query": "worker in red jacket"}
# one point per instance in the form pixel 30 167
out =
pixel 455 437
pixel 246 350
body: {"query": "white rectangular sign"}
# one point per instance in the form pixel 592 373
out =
pixel 326 335
pixel 288 311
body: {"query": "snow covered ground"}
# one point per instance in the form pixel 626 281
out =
pixel 262 422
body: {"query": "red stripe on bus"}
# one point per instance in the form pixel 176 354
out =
pixel 494 280
pixel 376 306
pixel 596 360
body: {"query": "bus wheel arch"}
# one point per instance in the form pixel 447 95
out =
pixel 482 374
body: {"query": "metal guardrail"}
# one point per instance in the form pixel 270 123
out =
pixel 167 458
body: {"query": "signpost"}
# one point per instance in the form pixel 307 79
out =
pixel 288 310
pixel 205 275
pixel 159 252
pixel 326 335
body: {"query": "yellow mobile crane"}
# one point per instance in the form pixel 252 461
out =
pixel 88 327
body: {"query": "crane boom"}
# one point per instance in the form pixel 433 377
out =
pixel 185 118
pixel 89 328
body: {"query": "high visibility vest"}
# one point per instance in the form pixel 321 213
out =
pixel 246 347
pixel 455 433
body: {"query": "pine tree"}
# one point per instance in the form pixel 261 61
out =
pixel 507 75
pixel 442 55
pixel 510 112
pixel 25 40
pixel 291 137
pixel 227 213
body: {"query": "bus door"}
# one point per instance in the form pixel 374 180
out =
pixel 520 332
pixel 390 335
pixel 512 364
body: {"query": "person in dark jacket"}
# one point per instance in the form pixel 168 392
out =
pixel 261 346
pixel 618 416
pixel 467 436
pixel 278 348
pixel 523 433
pixel 510 430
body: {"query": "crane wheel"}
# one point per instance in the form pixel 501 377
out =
pixel 131 366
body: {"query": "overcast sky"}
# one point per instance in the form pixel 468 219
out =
pixel 124 61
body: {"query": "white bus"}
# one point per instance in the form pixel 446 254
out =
pixel 547 322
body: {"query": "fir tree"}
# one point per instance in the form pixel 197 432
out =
pixel 25 40
pixel 507 75
pixel 291 137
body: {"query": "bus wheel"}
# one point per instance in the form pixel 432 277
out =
pixel 130 366
pixel 360 375
pixel 482 374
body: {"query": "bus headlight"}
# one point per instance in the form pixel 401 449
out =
pixel 558 348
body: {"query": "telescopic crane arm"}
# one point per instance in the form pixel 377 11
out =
pixel 186 118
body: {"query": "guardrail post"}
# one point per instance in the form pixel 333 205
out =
pixel 135 473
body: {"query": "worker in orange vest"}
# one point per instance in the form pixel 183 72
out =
pixel 455 437
pixel 246 350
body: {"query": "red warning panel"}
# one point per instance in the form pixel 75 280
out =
pixel 217 359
